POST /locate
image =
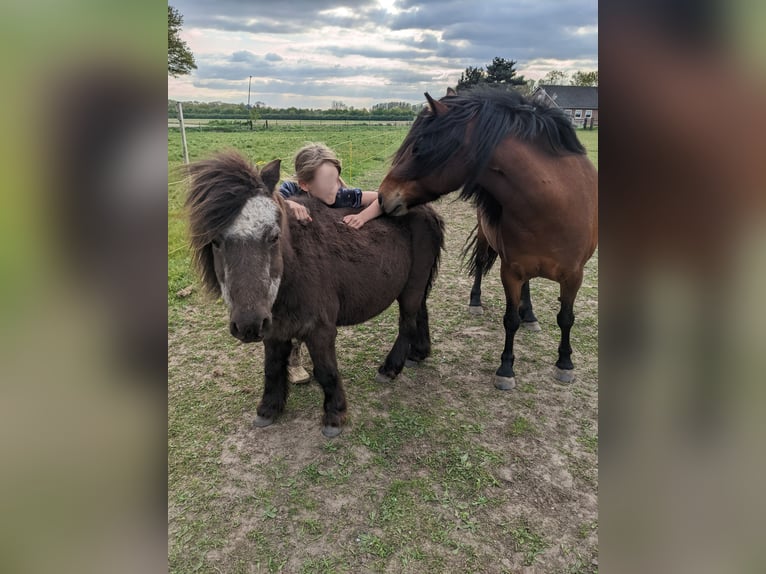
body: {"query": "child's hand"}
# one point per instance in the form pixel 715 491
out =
pixel 354 220
pixel 299 211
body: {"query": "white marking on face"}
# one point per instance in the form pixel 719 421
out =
pixel 225 295
pixel 258 216
pixel 274 289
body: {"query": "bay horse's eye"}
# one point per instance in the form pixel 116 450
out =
pixel 216 243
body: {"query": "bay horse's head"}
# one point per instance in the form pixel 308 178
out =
pixel 430 162
pixel 236 225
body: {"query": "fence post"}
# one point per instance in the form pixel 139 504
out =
pixel 183 131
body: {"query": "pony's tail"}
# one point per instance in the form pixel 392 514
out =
pixel 437 232
pixel 481 257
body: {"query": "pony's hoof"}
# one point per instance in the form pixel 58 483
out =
pixel 533 326
pixel 475 310
pixel 381 378
pixel 564 376
pixel 331 431
pixel 504 383
pixel 409 363
pixel 261 422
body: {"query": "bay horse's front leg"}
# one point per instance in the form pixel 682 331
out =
pixel 504 378
pixel 569 287
pixel 275 387
pixel 321 346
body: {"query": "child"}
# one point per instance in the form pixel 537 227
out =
pixel 317 172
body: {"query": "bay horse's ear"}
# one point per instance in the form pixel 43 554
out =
pixel 270 174
pixel 436 106
pixel 451 92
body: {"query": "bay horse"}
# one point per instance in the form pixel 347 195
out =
pixel 535 190
pixel 283 279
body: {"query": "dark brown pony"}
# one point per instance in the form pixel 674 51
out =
pixel 534 187
pixel 283 279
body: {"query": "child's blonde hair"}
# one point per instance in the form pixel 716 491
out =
pixel 310 157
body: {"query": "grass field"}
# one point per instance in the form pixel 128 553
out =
pixel 436 472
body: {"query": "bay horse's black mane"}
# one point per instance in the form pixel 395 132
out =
pixel 496 113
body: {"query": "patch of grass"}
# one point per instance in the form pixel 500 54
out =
pixel 413 484
pixel 521 426
pixel 527 541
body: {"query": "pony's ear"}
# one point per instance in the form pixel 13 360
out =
pixel 436 106
pixel 270 174
pixel 451 92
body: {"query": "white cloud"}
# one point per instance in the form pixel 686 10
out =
pixel 307 53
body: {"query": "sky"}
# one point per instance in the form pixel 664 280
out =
pixel 311 53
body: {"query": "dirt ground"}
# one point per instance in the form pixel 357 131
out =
pixel 435 472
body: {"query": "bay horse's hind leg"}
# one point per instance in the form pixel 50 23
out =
pixel 474 304
pixel 504 378
pixel 564 370
pixel 275 387
pixel 482 259
pixel 321 346
pixel 527 314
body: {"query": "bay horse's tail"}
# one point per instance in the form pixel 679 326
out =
pixel 481 258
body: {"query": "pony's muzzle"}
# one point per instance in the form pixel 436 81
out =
pixel 249 327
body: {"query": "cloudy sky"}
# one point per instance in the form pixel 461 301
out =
pixel 309 53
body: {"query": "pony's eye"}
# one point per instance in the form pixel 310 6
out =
pixel 274 237
pixel 216 243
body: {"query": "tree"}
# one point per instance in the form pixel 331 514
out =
pixel 471 77
pixel 501 71
pixel 554 78
pixel 585 78
pixel 180 58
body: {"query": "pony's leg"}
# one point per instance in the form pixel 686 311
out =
pixel 321 346
pixel 504 378
pixel 275 386
pixel 408 313
pixel 528 319
pixel 420 348
pixel 564 370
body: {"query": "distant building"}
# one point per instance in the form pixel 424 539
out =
pixel 579 102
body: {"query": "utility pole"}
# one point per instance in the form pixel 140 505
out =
pixel 249 116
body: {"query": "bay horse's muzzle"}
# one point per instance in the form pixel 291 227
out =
pixel 392 203
pixel 249 327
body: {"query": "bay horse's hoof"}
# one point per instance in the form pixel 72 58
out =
pixel 261 422
pixel 381 378
pixel 504 383
pixel 409 363
pixel 475 310
pixel 331 431
pixel 533 326
pixel 565 376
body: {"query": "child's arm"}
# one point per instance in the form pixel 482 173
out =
pixel 357 220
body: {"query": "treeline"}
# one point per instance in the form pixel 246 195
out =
pixel 222 110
